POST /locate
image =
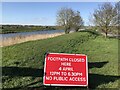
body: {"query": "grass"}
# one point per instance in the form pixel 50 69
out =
pixel 22 64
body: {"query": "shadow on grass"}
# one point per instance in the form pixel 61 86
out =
pixel 96 64
pixel 94 79
pixel 91 31
pixel 97 79
pixel 113 37
pixel 34 72
pixel 22 71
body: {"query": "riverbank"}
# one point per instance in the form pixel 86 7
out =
pixel 22 64
pixel 21 39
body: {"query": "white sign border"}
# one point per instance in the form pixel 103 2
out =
pixel 65 84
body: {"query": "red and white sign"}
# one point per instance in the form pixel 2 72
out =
pixel 65 70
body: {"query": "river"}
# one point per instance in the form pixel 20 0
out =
pixel 10 35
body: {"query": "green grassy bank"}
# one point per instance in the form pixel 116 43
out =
pixel 23 63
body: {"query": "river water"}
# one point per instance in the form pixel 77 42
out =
pixel 10 35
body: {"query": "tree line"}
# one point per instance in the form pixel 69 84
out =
pixel 27 28
pixel 105 18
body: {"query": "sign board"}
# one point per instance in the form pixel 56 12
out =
pixel 62 69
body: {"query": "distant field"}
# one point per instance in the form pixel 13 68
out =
pixel 23 63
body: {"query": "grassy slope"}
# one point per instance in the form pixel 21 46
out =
pixel 22 63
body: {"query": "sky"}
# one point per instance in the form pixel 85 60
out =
pixel 42 13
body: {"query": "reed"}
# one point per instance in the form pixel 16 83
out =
pixel 21 39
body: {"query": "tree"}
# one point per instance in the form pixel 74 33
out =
pixel 68 18
pixel 64 16
pixel 116 19
pixel 77 21
pixel 103 17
